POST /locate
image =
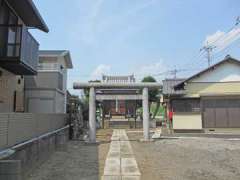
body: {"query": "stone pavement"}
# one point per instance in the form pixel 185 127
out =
pixel 120 163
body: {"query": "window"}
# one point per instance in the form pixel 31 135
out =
pixel 186 105
pixel 8 31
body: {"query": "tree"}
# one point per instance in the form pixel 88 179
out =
pixel 153 94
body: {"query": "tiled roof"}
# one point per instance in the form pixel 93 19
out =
pixel 118 79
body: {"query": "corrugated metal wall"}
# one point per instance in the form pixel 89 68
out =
pixel 19 127
pixel 3 130
pixel 221 112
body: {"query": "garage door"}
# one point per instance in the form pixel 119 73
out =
pixel 221 113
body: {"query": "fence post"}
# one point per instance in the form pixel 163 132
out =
pixel 8 129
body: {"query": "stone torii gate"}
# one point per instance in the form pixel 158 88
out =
pixel 92 102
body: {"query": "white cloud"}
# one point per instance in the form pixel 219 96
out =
pixel 222 39
pixel 210 39
pixel 99 71
pixel 151 69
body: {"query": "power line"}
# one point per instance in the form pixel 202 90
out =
pixel 210 47
pixel 225 50
pixel 236 24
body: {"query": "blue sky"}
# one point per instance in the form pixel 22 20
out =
pixel 143 37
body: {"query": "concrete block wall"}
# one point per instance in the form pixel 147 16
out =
pixel 10 170
pixel 29 156
pixel 16 128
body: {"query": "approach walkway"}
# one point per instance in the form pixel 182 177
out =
pixel 120 163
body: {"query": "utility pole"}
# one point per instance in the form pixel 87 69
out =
pixel 174 72
pixel 208 49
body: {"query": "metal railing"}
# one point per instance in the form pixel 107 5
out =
pixel 18 44
pixel 50 67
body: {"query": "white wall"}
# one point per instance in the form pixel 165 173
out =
pixel 60 60
pixel 65 89
pixel 44 101
pixel 40 105
pixel 60 103
pixel 187 121
pixel 224 73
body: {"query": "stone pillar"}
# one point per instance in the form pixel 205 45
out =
pixel 145 105
pixel 92 115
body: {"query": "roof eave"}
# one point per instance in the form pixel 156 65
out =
pixel 68 59
pixel 28 12
pixel 182 84
pixel 43 26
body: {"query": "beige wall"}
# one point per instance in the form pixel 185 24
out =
pixel 198 89
pixel 8 85
pixel 187 121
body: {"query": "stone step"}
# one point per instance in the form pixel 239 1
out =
pixel 118 117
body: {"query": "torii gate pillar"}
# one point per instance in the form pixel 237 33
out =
pixel 145 105
pixel 92 115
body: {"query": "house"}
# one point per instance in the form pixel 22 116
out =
pixel 210 99
pixel 18 50
pixel 46 92
pixel 168 93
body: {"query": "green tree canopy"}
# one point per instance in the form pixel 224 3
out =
pixel 86 91
pixel 153 93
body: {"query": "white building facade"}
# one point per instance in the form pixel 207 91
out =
pixel 47 92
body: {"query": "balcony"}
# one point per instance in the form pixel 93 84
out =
pixel 18 50
pixel 50 67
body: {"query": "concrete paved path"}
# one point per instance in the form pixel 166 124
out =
pixel 120 163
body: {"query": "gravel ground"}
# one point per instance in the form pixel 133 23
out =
pixel 198 158
pixel 187 159
pixel 80 162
